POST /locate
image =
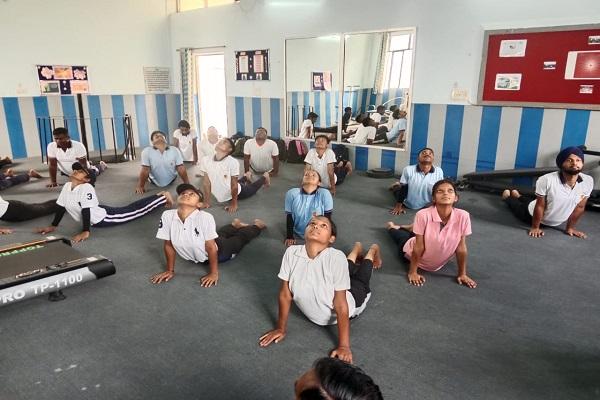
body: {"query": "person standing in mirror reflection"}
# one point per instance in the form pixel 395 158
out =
pixel 185 138
pixel 308 126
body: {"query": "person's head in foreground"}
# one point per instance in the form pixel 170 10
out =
pixel 158 139
pixel 184 126
pixel 61 137
pixel 444 193
pixel 570 161
pixel 260 136
pixel 224 147
pixel 189 196
pixel 321 230
pixel 321 142
pixel 81 175
pixel 334 379
pixel 425 156
pixel 311 178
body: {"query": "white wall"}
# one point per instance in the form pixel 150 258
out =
pixel 361 58
pixel 448 45
pixel 115 38
pixel 312 55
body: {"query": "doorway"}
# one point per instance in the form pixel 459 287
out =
pixel 212 95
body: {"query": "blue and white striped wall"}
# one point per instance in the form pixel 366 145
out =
pixel 21 138
pixel 246 114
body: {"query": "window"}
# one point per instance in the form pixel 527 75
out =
pixel 398 61
pixel 187 5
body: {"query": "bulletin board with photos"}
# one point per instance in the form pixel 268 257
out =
pixel 252 65
pixel 550 67
pixel 56 80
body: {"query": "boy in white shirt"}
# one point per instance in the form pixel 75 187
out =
pixel 220 177
pixel 78 198
pixel 190 232
pixel 185 139
pixel 365 134
pixel 560 196
pixel 63 152
pixel 308 126
pixel 260 155
pixel 207 145
pixel 328 287
pixel 323 160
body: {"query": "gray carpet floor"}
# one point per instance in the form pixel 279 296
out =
pixel 529 331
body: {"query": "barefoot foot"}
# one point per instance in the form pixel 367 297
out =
pixel 237 223
pixel 391 225
pixel 267 179
pixel 34 174
pixel 260 223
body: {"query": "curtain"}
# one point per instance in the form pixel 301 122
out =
pixel 189 95
pixel 381 63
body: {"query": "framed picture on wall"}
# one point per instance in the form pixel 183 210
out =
pixel 63 79
pixel 321 81
pixel 252 65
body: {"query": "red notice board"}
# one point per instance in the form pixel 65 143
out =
pixel 550 67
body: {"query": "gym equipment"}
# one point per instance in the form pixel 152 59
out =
pixel 46 266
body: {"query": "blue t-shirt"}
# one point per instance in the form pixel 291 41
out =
pixel 302 206
pixel 162 165
pixel 419 185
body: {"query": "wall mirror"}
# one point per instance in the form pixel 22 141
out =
pixel 333 83
pixel 377 79
pixel 312 82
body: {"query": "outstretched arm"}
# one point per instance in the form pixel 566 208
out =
pixel 183 173
pixel 53 168
pixel 461 260
pixel 573 218
pixel 340 305
pixel 144 174
pixel 538 214
pixel 418 249
pixel 212 277
pixel 167 275
pixel 285 302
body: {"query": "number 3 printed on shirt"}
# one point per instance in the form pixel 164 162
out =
pixel 89 196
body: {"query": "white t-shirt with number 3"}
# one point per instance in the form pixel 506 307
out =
pixel 82 196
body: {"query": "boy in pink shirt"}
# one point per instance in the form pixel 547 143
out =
pixel 438 233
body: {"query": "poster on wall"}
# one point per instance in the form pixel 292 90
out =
pixel 513 48
pixel 63 79
pixel 321 81
pixel 583 65
pixel 252 65
pixel 157 80
pixel 508 82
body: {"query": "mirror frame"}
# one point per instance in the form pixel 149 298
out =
pixel 340 88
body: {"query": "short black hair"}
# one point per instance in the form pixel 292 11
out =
pixel 347 109
pixel 366 121
pixel 231 145
pixel 260 128
pixel 157 133
pixel 312 115
pixel 393 107
pixel 396 114
pixel 323 137
pixel 441 182
pixel 342 381
pixel 426 148
pixel 381 107
pixel 60 131
pixel 183 124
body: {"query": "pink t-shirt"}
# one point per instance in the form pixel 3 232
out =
pixel 440 244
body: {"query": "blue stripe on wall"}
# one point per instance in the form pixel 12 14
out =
pixel 161 113
pixel 575 128
pixel 40 107
pixel 419 130
pixel 388 159
pixel 12 115
pixel 118 108
pixel 256 115
pixel 363 103
pixel 327 108
pixel 354 104
pixel 529 137
pixel 452 133
pixel 142 119
pixel 70 114
pixel 361 159
pixel 275 118
pixel 306 99
pixel 318 108
pixel 294 99
pixel 239 114
pixel 489 132
pixel 96 122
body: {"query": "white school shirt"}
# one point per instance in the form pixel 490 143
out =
pixel 65 159
pixel 186 143
pixel 320 164
pixel 561 200
pixel 3 206
pixel 375 117
pixel 82 196
pixel 305 130
pixel 313 282
pixel 220 173
pixel 188 237
pixel 206 149
pixel 362 134
pixel 261 157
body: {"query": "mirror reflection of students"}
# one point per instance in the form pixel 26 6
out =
pixel 327 286
pixel 185 139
